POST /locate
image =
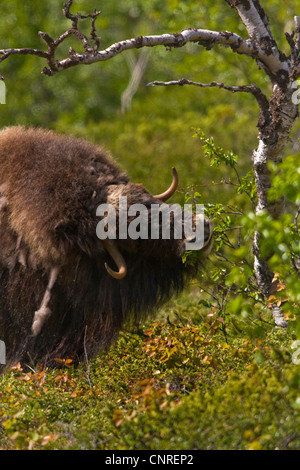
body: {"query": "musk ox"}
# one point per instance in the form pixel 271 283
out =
pixel 64 292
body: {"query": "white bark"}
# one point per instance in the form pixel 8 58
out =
pixel 203 37
pixel 272 141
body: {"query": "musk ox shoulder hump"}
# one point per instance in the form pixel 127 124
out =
pixel 29 147
pixel 49 178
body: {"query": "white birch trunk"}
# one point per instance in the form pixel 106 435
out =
pixel 272 142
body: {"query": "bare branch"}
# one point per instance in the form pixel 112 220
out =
pixel 90 45
pixel 92 54
pixel 294 43
pixel 260 47
pixel 24 51
pixel 68 14
pixel 203 37
pixel 256 22
pixel 75 18
pixel 297 33
pixel 185 81
pixel 253 89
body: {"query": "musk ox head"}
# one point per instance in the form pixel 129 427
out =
pixel 83 250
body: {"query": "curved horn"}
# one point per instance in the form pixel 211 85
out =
pixel 171 190
pixel 112 249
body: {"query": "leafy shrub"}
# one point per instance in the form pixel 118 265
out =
pixel 231 283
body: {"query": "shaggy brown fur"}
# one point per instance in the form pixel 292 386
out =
pixel 56 297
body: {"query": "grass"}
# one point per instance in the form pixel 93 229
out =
pixel 172 383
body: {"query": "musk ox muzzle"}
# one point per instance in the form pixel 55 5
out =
pixel 74 265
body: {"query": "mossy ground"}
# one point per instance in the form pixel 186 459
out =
pixel 173 383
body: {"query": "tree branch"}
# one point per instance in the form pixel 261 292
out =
pixel 253 89
pixel 297 33
pixel 92 54
pixel 90 45
pixel 257 25
pixel 261 46
pixel 75 18
pixel 255 20
pixel 203 37
pixel 294 43
pixel 23 51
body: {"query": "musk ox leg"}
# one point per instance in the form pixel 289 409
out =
pixel 41 315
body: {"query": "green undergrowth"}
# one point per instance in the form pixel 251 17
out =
pixel 170 384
